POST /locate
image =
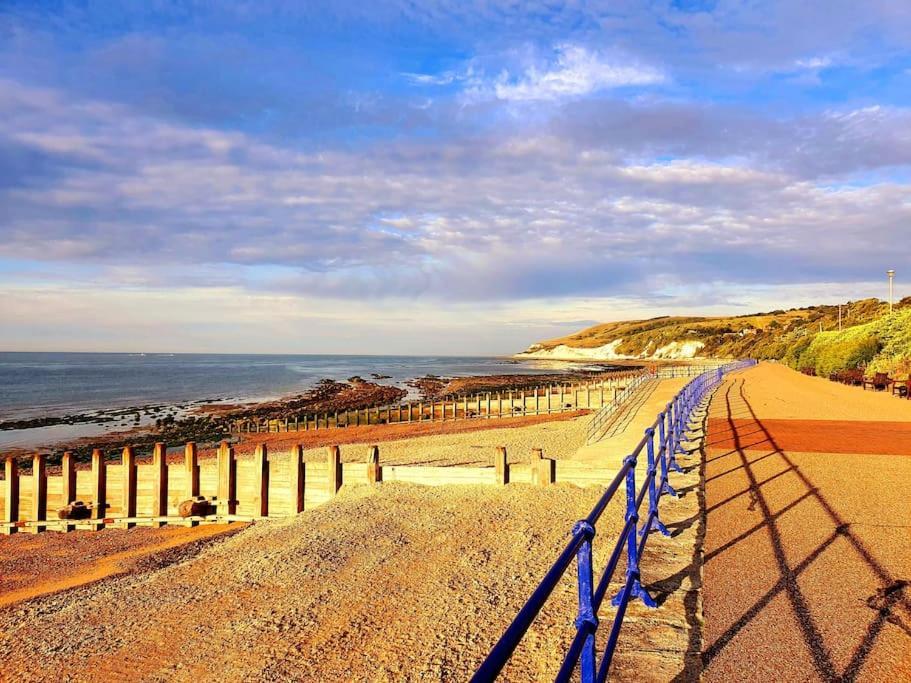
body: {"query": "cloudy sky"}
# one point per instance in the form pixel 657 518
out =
pixel 440 176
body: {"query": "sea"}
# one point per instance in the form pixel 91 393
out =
pixel 35 385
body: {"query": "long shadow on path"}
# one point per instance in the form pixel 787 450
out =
pixel 887 603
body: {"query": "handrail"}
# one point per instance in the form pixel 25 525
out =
pixel 597 426
pixel 661 442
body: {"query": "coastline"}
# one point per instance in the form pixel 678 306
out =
pixel 207 421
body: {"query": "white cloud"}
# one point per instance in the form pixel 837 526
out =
pixel 575 72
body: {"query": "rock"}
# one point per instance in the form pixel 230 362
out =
pixel 75 510
pixel 198 506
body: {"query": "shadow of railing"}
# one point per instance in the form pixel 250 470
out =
pixel 888 599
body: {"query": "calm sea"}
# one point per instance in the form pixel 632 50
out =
pixel 52 384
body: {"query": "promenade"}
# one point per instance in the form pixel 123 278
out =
pixel 807 572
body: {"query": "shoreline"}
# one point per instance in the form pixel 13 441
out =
pixel 208 421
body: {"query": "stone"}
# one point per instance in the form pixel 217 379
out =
pixel 75 510
pixel 198 506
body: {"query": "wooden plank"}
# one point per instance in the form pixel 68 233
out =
pixel 436 476
pixel 68 472
pixel 261 481
pixel 227 480
pixel 160 480
pixel 374 471
pixel 39 487
pixel 99 484
pixel 334 464
pixel 191 465
pixel 11 495
pixel 501 466
pixel 298 476
pixel 128 484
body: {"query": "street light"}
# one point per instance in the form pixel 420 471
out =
pixel 891 274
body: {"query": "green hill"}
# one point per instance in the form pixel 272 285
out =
pixel 801 337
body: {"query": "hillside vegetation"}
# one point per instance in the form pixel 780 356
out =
pixel 801 337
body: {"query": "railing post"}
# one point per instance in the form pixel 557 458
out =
pixel 632 549
pixel 679 411
pixel 657 524
pixel 665 437
pixel 586 617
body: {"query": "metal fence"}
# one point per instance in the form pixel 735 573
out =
pixel 661 443
pixel 602 419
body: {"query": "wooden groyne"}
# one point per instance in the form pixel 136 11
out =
pixel 539 400
pixel 267 485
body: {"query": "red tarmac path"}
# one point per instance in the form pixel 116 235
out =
pixel 807 568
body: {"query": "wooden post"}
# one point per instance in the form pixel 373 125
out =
pixel 39 490
pixel 68 471
pixel 227 480
pixel 499 404
pixel 334 461
pixel 99 485
pixel 443 410
pixel 191 466
pixel 601 386
pixel 261 486
pixel 536 455
pixel 11 499
pixel 128 473
pixel 543 470
pixel 501 466
pixel 562 401
pixel 160 486
pixel 298 478
pixel 374 471
pixel 488 405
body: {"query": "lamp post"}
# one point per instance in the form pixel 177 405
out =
pixel 891 274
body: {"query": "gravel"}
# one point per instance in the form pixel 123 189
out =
pixel 399 582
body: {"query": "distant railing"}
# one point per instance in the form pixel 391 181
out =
pixel 671 427
pixel 601 421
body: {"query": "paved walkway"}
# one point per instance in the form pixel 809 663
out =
pixel 807 569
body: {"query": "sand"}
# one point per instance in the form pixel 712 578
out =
pixel 466 442
pixel 391 582
pixel 808 552
pixel 405 583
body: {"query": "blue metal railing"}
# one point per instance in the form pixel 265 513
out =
pixel 670 427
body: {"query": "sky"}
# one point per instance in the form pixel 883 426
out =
pixel 441 176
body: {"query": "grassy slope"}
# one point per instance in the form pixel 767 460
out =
pixel 783 335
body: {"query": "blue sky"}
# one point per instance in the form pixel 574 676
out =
pixel 440 177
